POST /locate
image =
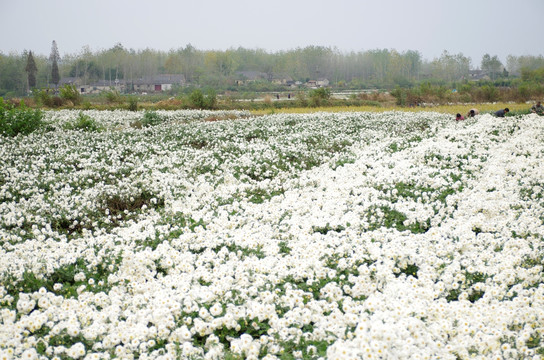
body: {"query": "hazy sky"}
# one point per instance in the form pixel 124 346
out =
pixel 471 27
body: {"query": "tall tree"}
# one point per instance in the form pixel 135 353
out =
pixel 31 70
pixel 450 67
pixel 12 74
pixel 492 65
pixel 54 58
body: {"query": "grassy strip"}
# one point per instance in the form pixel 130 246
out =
pixel 447 109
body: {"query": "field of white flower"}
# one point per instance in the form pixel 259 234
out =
pixel 329 235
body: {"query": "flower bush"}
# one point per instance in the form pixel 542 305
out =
pixel 353 235
pixel 15 120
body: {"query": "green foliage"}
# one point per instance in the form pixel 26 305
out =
pixel 112 96
pixel 259 196
pixel 410 270
pixel 284 248
pixel 181 223
pixel 492 65
pixel 394 219
pixel 536 75
pixel 151 118
pixel 66 275
pixel 54 57
pixel 198 100
pixel 133 103
pixel 122 207
pixel 55 76
pixel 18 120
pixel 466 285
pixel 43 98
pixel 489 93
pixel 379 68
pixel 84 123
pixel 70 93
pixel 325 229
pixel 301 99
pixel 210 98
pixel 31 70
pixel 320 96
pixel 400 95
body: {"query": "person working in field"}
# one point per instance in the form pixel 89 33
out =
pixel 538 108
pixel 502 112
pixel 472 113
pixel 459 117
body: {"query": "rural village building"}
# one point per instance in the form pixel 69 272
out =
pixel 476 75
pixel 317 83
pixel 283 79
pixel 247 77
pixel 156 83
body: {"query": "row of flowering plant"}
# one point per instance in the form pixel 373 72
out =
pixel 199 234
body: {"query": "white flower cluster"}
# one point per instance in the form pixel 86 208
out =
pixel 354 235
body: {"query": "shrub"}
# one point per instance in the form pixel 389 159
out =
pixel 400 96
pixel 210 99
pixel 198 100
pixel 489 93
pixel 267 100
pixel 112 96
pixel 18 120
pixel 87 105
pixel 83 122
pixel 56 101
pixel 320 96
pixel 43 98
pixel 151 118
pixel 70 93
pixel 133 103
pixel 301 99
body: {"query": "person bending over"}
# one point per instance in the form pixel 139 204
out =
pixel 502 112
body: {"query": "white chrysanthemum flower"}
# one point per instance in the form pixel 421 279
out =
pixel 368 251
pixel 216 309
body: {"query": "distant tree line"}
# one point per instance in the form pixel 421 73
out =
pixel 378 69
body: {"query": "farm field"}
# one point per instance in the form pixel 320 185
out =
pixel 211 235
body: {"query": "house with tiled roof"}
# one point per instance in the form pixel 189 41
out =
pixel 248 76
pixel 157 83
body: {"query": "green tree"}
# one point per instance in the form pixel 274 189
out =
pixel 55 75
pixel 222 63
pixel 85 69
pixel 450 67
pixel 492 65
pixel 536 75
pixel 31 69
pixel 54 58
pixel 13 79
pixel 173 63
pixel 191 63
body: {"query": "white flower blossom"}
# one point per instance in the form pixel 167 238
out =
pixel 390 235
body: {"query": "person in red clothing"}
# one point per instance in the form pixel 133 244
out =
pixel 459 117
